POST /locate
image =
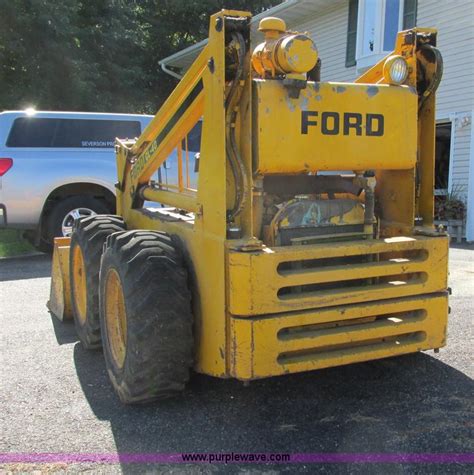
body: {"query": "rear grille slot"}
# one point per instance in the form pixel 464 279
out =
pixel 288 268
pixel 323 329
pixel 342 285
pixel 352 348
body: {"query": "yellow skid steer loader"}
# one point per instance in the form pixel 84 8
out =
pixel 307 241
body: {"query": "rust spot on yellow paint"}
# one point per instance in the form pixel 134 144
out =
pixel 372 91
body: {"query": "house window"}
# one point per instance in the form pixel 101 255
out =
pixel 368 23
pixel 391 24
pixel 409 14
pixel 448 202
pixel 372 29
pixel 442 157
pixel 352 33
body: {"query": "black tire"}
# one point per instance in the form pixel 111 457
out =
pixel 54 220
pixel 89 234
pixel 157 301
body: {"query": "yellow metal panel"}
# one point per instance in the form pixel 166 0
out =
pixel 59 302
pixel 395 194
pixel 292 342
pixel 319 131
pixel 179 200
pixel 427 135
pixel 256 283
pixel 397 199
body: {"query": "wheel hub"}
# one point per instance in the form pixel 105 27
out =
pixel 115 317
pixel 79 284
pixel 68 221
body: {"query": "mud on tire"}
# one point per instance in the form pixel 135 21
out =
pixel 89 235
pixel 157 301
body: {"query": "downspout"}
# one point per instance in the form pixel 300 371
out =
pixel 470 188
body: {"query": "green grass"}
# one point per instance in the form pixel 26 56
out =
pixel 13 244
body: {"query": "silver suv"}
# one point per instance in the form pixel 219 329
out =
pixel 58 166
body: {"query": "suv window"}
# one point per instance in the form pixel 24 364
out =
pixel 67 133
pixel 194 138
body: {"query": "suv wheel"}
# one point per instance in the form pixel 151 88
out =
pixel 65 212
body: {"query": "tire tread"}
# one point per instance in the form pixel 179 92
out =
pixel 159 317
pixel 90 233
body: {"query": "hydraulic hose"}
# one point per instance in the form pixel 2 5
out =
pixel 437 75
pixel 232 151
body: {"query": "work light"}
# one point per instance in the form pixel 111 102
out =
pixel 395 69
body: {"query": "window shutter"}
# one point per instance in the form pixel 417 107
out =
pixel 409 14
pixel 352 33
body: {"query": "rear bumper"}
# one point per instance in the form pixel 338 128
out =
pixel 309 307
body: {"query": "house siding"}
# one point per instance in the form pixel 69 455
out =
pixel 329 31
pixel 461 151
pixel 454 20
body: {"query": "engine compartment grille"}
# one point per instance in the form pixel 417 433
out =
pixel 283 279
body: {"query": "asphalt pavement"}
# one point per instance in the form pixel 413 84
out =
pixel 56 398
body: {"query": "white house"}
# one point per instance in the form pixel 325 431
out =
pixel 352 35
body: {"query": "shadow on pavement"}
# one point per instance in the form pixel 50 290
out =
pixel 28 267
pixel 64 331
pixel 412 404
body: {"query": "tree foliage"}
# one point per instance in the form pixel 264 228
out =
pixel 97 55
